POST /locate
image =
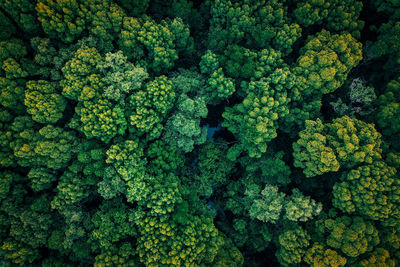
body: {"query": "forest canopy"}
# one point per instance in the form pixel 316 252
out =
pixel 200 133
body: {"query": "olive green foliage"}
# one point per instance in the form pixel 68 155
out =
pixel 345 142
pixel 50 146
pixel 68 20
pixel 371 190
pixel 379 257
pixel 43 102
pixel 351 235
pixel 311 151
pixel 318 255
pixel 293 244
pixel 326 60
pixel 12 94
pixel 199 133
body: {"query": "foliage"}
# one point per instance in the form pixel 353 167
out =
pixel 199 133
pixel 361 98
pixel 43 102
pixel 345 142
pixel 183 127
pixel 370 190
pixel 334 15
pixel 293 246
pixel 352 236
pixel 255 119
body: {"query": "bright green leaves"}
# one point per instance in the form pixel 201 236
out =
pixel 218 86
pixel 272 204
pixel 43 102
pixel 370 190
pixel 82 81
pixel 183 129
pixel 311 152
pixel 268 208
pixel 255 120
pixel 148 107
pixel 120 77
pixel 100 119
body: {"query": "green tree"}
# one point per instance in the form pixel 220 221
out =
pixel 255 120
pixel 43 102
pixel 183 129
pixel 370 190
pixel 293 245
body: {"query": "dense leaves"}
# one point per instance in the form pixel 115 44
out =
pixel 199 133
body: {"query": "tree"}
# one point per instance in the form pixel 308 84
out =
pixel 111 224
pixel 183 129
pixel 43 102
pixel 388 110
pixel 312 153
pixel 293 245
pixel 99 118
pixel 68 20
pixel 334 15
pixel 318 255
pixel 353 236
pixel 147 108
pixel 345 142
pixel 255 120
pixel 370 190
pixel 121 78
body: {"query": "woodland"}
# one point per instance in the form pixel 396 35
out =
pixel 200 133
